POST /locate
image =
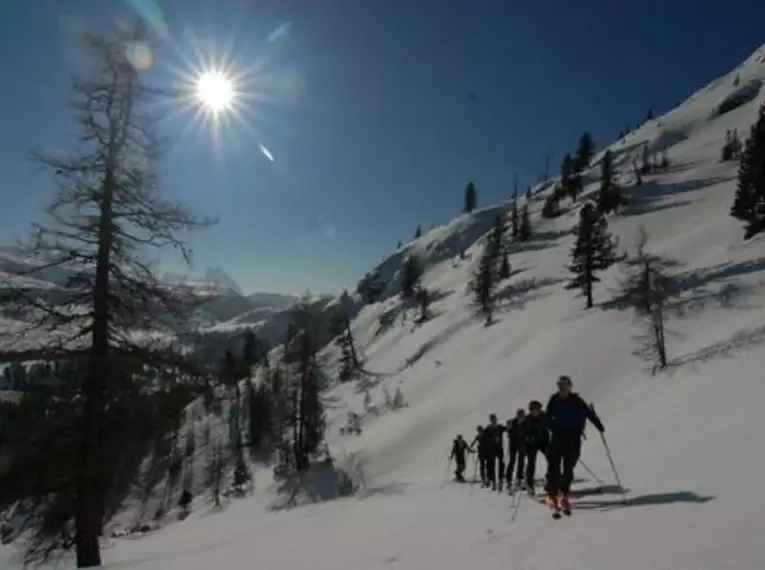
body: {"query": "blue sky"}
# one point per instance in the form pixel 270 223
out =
pixel 367 115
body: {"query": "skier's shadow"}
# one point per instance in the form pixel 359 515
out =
pixel 644 500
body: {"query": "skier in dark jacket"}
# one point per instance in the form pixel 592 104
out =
pixel 459 448
pixel 567 413
pixel 480 442
pixel 516 443
pixel 495 454
pixel 537 439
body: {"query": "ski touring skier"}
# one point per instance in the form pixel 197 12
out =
pixel 459 448
pixel 480 443
pixel 536 439
pixel 495 456
pixel 516 445
pixel 567 414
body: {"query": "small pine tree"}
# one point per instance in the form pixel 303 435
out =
pixel 252 351
pixel 486 276
pixel 650 116
pixel 216 471
pixel 610 196
pixel 423 298
pixel 749 203
pixel 636 172
pixel 571 181
pixel 567 167
pixel 349 361
pixel 504 266
pixel 524 231
pixel 398 245
pixel 645 168
pixel 471 198
pixel 514 225
pixel 528 192
pixel 592 252
pixel 346 359
pixel 410 277
pixel 418 232
pixel 585 151
pixel 551 207
pixel 574 186
pixel 647 286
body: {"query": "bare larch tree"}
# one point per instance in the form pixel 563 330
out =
pixel 106 217
pixel 648 286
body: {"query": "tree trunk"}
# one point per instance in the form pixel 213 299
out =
pixel 354 356
pixel 589 276
pixel 661 346
pixel 90 494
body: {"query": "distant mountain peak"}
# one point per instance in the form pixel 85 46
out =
pixel 218 276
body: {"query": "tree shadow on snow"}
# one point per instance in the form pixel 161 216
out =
pixel 322 482
pixel 655 499
pixel 438 340
pixel 516 295
pixel 651 196
pixel 727 348
pixel 642 207
pixel 700 289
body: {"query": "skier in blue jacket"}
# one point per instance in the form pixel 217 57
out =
pixel 566 414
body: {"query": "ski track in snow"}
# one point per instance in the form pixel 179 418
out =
pixel 688 442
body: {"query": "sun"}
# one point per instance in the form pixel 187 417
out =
pixel 215 91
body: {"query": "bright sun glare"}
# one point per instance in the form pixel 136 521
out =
pixel 215 91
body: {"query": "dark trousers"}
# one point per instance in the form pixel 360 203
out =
pixel 517 456
pixel 495 465
pixel 458 472
pixel 482 461
pixel 531 465
pixel 562 457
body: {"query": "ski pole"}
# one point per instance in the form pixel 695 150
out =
pixel 598 480
pixel 517 496
pixel 613 466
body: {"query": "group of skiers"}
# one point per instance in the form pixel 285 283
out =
pixel 556 432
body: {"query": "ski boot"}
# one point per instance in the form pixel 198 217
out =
pixel 553 499
pixel 565 505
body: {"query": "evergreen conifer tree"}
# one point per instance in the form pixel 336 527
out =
pixel 486 276
pixel 471 198
pixel 645 168
pixel 524 231
pixel 410 277
pixel 610 197
pixel 551 207
pixel 514 222
pixel 592 252
pixel 749 203
pixel 585 151
pixel 504 266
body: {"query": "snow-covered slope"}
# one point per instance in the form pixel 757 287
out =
pixel 687 442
